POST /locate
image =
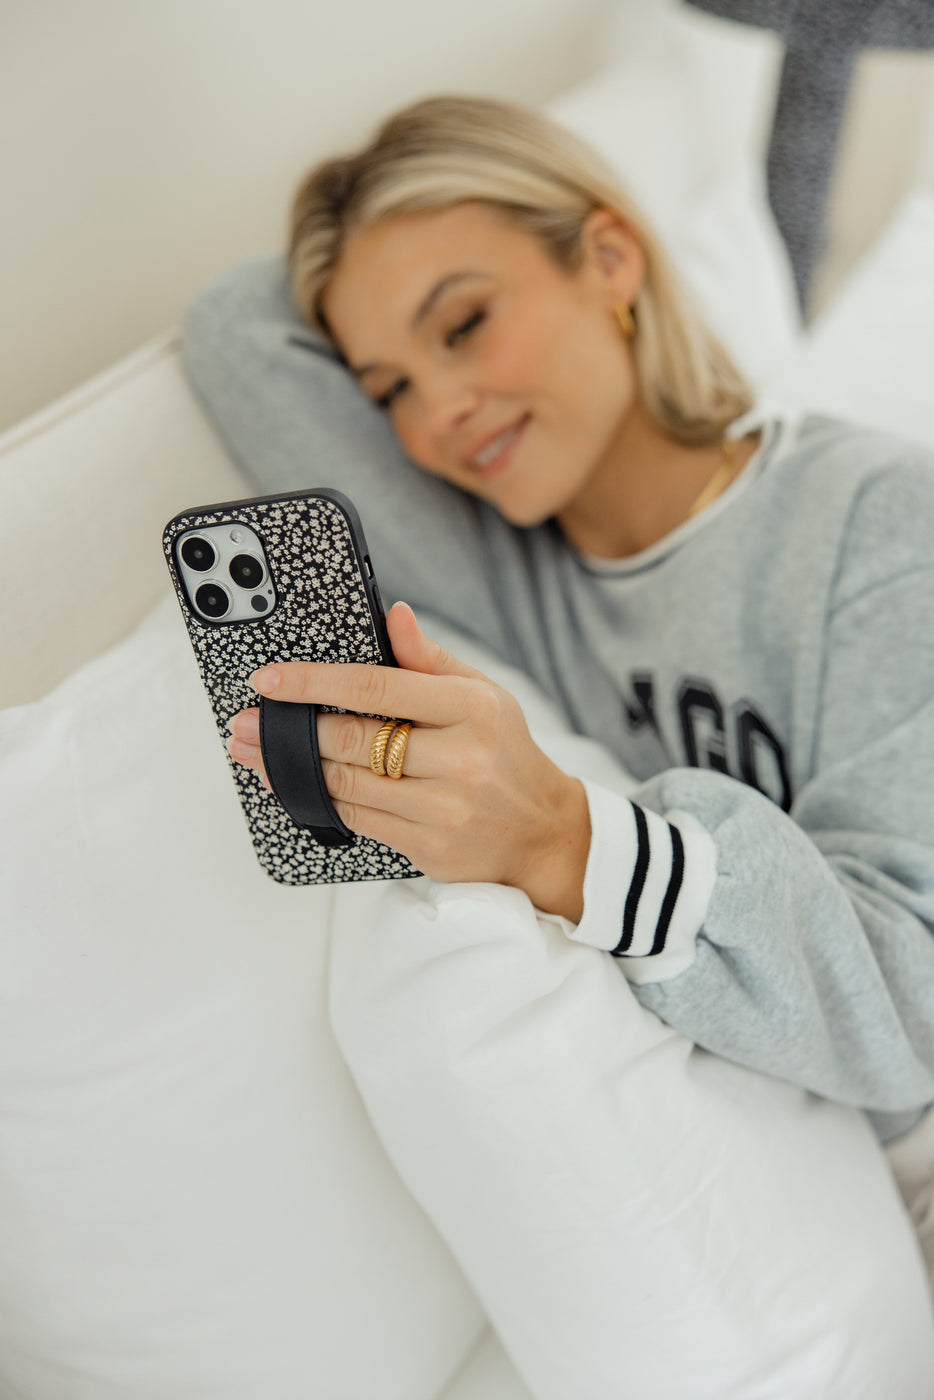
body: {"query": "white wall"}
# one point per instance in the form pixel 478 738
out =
pixel 145 144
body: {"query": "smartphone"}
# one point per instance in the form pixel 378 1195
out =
pixel 282 578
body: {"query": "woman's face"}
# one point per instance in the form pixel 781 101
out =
pixel 499 372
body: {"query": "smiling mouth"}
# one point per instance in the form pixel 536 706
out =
pixel 499 453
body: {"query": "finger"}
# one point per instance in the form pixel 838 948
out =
pixel 349 738
pixel 349 781
pixel 345 738
pixel 386 827
pixel 410 798
pixel 250 756
pixel 414 651
pixel 245 725
pixel 377 690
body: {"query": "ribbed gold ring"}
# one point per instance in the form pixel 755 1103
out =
pixel 395 753
pixel 378 747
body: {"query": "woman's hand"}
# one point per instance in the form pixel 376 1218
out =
pixel 478 799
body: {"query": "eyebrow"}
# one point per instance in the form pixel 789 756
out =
pixel 437 290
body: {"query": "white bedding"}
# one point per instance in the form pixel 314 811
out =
pixel 202 1207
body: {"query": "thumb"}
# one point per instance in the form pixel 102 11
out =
pixel 416 652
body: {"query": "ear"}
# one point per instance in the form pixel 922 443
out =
pixel 614 254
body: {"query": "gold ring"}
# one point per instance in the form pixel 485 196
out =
pixel 395 751
pixel 378 747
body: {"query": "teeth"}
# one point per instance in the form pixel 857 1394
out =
pixel 496 446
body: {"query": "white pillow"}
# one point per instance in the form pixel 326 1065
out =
pixel 195 1206
pixel 868 356
pixel 637 1217
pixel 487 1375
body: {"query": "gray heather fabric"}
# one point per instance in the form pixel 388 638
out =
pixel 822 39
pixel 768 668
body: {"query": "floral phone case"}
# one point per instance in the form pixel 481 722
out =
pixel 280 578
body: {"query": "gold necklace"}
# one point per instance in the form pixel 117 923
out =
pixel 720 479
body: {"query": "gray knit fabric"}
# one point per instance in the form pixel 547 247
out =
pixel 822 40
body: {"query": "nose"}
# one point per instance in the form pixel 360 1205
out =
pixel 450 400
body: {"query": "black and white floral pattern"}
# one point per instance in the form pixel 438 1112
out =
pixel 322 614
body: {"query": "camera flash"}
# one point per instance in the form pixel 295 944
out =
pixel 236 536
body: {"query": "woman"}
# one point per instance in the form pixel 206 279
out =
pixel 740 609
pixel 496 362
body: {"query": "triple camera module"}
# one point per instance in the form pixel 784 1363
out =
pixel 225 573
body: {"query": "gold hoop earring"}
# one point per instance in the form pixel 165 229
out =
pixel 627 322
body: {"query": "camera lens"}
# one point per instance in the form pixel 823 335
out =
pixel 198 554
pixel 246 571
pixel 212 600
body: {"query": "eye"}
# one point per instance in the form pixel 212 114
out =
pixel 466 328
pixel 385 400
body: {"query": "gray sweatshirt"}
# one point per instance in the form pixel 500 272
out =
pixel 766 672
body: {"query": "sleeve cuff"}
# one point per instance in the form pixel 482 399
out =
pixel 647 886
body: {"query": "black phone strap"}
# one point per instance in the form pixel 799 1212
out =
pixel 288 739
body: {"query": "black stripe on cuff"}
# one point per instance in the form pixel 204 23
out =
pixel 673 890
pixel 638 883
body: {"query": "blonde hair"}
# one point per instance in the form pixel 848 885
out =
pixel 447 150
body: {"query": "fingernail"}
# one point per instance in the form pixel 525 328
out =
pixel 240 751
pixel 265 679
